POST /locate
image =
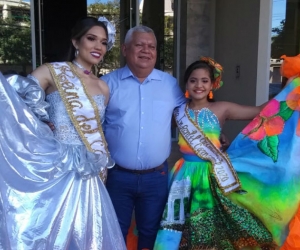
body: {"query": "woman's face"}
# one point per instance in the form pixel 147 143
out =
pixel 199 84
pixel 92 46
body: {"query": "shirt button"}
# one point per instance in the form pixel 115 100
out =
pixel 142 127
pixel 142 113
pixel 142 98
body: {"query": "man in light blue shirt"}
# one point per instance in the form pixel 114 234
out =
pixel 138 132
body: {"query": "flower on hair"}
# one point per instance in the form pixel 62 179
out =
pixel 218 69
pixel 111 30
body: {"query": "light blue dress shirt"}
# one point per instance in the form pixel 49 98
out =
pixel 138 117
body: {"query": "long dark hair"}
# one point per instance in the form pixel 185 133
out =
pixel 80 29
pixel 199 65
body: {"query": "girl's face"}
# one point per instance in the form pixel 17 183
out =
pixel 199 84
pixel 92 46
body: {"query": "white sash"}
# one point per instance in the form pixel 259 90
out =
pixel 80 106
pixel 206 150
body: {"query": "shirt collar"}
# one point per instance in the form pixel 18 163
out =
pixel 154 75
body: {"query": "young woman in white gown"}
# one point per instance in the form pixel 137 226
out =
pixel 52 193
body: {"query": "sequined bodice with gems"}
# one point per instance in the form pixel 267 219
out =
pixel 205 118
pixel 209 124
pixel 64 130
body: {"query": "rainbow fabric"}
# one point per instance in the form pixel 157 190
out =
pixel 211 132
pixel 268 165
pixel 263 213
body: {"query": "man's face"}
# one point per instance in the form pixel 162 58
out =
pixel 140 52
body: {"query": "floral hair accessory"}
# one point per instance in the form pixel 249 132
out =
pixel 111 30
pixel 218 69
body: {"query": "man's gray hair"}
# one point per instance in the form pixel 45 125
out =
pixel 139 28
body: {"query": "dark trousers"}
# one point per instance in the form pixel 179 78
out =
pixel 146 194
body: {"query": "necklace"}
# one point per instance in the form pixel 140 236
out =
pixel 85 71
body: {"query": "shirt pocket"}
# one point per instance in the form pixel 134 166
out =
pixel 161 112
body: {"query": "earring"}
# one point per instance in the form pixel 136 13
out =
pixel 76 52
pixel 186 94
pixel 210 95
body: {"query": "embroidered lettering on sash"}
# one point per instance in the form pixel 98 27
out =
pixel 81 108
pixel 205 149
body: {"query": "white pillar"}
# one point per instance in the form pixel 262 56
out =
pixel 264 51
pixel 6 12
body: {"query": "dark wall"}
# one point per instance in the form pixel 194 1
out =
pixel 58 18
pixel 291 32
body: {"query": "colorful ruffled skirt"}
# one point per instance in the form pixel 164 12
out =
pixel 264 212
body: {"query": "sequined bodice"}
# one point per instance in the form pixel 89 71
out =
pixel 206 120
pixel 209 124
pixel 64 130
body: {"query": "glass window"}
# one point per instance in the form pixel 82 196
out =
pixel 285 38
pixel 169 37
pixel 15 37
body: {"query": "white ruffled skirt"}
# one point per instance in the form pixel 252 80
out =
pixel 51 196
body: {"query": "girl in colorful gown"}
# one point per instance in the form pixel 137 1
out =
pixel 244 198
pixel 52 193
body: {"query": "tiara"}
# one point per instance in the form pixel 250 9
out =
pixel 218 70
pixel 111 30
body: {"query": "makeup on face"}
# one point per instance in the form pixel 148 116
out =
pixel 91 48
pixel 199 84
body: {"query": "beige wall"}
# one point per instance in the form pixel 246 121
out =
pixel 242 32
pixel 196 32
pixel 235 33
pixel 200 29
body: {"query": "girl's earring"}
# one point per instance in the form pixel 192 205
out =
pixel 187 95
pixel 76 52
pixel 210 95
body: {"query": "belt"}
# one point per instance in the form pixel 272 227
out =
pixel 144 171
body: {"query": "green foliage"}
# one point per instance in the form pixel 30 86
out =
pixel 109 8
pixel 169 52
pixel 168 43
pixel 15 42
pixel 169 25
pixel 277 46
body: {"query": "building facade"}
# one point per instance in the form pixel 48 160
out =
pixel 238 34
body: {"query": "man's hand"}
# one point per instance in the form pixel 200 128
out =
pixel 225 143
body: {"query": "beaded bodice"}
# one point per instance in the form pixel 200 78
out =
pixel 64 130
pixel 209 124
pixel 205 119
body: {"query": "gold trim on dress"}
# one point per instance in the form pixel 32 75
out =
pixel 72 101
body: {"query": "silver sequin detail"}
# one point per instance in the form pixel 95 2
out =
pixel 205 118
pixel 64 130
